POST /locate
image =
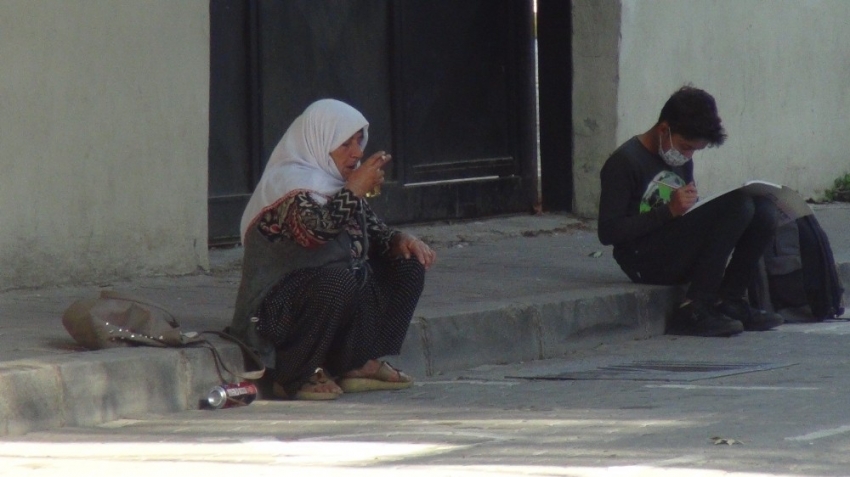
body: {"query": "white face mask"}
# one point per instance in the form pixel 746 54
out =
pixel 673 157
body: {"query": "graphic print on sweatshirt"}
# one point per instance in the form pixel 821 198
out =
pixel 659 190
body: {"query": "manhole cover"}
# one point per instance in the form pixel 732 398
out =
pixel 658 371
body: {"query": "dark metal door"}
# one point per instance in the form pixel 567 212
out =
pixel 232 155
pixel 555 69
pixel 447 87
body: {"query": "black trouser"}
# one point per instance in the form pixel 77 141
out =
pixel 330 318
pixel 696 247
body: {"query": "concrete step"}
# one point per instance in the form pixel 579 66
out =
pixel 504 291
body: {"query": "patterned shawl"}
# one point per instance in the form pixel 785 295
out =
pixel 302 160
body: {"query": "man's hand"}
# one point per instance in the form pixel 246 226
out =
pixel 683 199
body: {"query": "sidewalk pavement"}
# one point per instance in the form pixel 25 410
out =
pixel 504 290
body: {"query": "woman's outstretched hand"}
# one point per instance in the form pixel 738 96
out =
pixel 369 175
pixel 407 246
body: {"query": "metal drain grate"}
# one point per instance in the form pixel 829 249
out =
pixel 658 371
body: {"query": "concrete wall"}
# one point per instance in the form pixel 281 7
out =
pixel 103 139
pixel 596 43
pixel 779 70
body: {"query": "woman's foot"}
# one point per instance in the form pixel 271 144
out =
pixel 318 387
pixel 374 376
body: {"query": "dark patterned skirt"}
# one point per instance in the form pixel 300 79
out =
pixel 337 319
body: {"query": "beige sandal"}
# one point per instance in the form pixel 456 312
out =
pixel 304 393
pixel 386 378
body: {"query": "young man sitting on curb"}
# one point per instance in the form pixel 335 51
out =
pixel 647 188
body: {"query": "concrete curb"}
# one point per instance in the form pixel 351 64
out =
pixel 541 327
pixel 91 388
pixel 85 389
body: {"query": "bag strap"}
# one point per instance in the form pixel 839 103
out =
pixel 220 365
pixel 116 295
pixel 247 375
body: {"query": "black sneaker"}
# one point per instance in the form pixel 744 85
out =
pixel 752 318
pixel 701 319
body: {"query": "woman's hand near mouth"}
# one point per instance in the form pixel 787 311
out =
pixel 369 175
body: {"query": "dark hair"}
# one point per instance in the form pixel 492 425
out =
pixel 692 113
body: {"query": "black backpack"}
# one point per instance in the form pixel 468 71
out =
pixel 798 273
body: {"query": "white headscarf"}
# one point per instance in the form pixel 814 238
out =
pixel 302 160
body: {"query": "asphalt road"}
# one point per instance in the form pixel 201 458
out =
pixel 663 416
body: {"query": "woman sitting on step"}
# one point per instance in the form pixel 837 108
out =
pixel 327 287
